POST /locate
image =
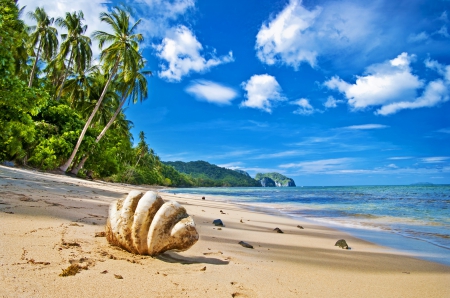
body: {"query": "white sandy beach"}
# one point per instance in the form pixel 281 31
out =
pixel 49 221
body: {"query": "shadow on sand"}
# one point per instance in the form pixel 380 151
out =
pixel 171 257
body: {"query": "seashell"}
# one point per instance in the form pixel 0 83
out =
pixel 144 224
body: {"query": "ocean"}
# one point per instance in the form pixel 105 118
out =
pixel 413 219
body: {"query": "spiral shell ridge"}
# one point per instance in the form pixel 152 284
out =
pixel 145 224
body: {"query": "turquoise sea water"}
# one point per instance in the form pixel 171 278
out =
pixel 414 219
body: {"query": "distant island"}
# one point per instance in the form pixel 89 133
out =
pixel 274 180
pixel 204 174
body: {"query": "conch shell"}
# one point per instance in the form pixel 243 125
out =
pixel 143 224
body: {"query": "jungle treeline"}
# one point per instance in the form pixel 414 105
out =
pixel 60 110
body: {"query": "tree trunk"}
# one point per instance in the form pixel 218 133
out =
pixel 80 165
pixel 88 122
pixel 30 83
pixel 76 169
pixel 65 76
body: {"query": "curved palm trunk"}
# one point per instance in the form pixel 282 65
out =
pixel 80 165
pixel 65 77
pixel 65 166
pixel 30 83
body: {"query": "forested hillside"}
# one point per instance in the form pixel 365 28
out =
pixel 206 174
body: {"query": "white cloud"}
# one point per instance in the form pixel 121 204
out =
pixel 158 15
pixel 180 50
pixel 434 93
pixel 444 130
pixel 366 126
pixel 393 86
pixel 324 165
pixel 443 70
pixel 435 159
pixel 387 82
pixel 281 38
pixel 300 35
pixel 262 91
pixel 400 157
pixel 212 92
pixel 331 102
pixel 392 166
pixel 305 108
pixel 232 165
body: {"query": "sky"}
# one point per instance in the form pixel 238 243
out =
pixel 325 92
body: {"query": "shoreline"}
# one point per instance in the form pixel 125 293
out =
pixel 43 214
pixel 394 242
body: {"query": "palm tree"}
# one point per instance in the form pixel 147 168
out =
pixel 81 85
pixel 136 90
pixel 122 52
pixel 44 36
pixel 142 148
pixel 75 43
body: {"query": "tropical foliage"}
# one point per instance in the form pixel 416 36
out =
pixel 60 110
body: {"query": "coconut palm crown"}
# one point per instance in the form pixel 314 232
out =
pixel 44 36
pixel 75 43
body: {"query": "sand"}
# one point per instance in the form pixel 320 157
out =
pixel 49 221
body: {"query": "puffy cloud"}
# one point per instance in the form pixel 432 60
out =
pixel 262 91
pixel 281 39
pixel 366 126
pixel 299 35
pixel 180 50
pixel 434 93
pixel 394 87
pixel 212 92
pixel 305 108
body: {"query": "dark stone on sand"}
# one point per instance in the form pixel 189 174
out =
pixel 342 244
pixel 218 222
pixel 245 244
pixel 203 198
pixel 278 230
pixel 300 227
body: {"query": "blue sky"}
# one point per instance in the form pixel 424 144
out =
pixel 325 92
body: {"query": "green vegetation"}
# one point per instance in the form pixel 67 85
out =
pixel 280 180
pixel 58 110
pixel 204 174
